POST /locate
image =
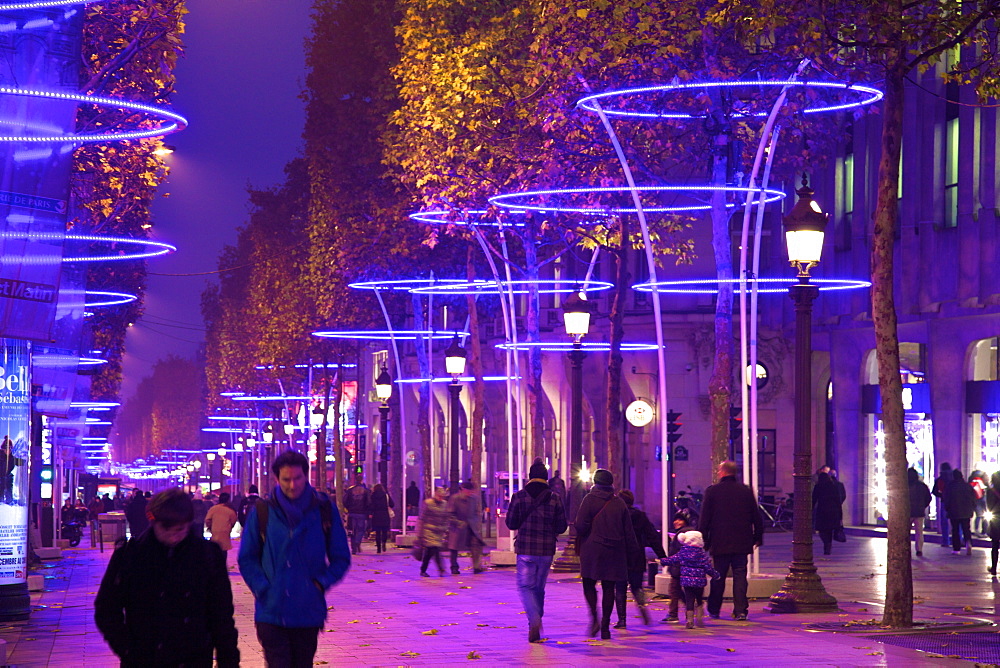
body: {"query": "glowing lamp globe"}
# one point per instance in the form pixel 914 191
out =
pixel 454 358
pixel 383 385
pixel 251 442
pixel 222 453
pixel 210 456
pixel 805 227
pixel 577 312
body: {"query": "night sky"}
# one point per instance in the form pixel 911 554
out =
pixel 238 86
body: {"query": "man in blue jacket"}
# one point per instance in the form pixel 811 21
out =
pixel 294 548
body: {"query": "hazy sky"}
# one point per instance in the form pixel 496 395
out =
pixel 238 86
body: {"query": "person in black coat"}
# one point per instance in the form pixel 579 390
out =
pixel 920 498
pixel 135 513
pixel 165 599
pixel 646 535
pixel 827 513
pixel 379 507
pixel 605 538
pixel 732 529
pixel 960 504
pixel 682 522
pixel 993 528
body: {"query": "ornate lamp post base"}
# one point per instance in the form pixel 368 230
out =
pixel 802 592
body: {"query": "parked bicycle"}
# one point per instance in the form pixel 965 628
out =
pixel 777 512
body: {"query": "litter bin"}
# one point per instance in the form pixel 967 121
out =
pixel 112 527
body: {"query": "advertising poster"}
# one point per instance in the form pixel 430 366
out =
pixel 15 426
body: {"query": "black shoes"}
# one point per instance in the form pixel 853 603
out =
pixel 740 617
pixel 620 624
pixel 535 633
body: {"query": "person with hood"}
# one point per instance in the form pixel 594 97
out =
pixel 960 504
pixel 682 521
pixel 940 485
pixel 920 498
pixel 165 599
pixel 696 567
pixel 294 548
pixel 537 514
pixel 246 504
pixel 827 512
pixel 993 526
pixel 605 538
pixel 646 535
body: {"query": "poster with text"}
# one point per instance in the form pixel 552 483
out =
pixel 15 425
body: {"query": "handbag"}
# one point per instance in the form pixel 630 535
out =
pixel 839 535
pixel 418 552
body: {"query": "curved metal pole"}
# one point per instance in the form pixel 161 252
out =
pixel 519 383
pixel 402 409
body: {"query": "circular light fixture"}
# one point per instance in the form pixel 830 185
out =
pixel 618 199
pixel 520 287
pixel 567 346
pixel 639 413
pixel 386 335
pixel 710 286
pixel 625 103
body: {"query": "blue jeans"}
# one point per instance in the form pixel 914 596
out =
pixel 532 571
pixel 358 524
pixel 723 563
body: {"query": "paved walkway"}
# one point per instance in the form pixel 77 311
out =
pixel 384 614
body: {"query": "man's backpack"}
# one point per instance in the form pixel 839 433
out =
pixel 325 513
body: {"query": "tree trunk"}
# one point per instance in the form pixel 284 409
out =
pixel 613 408
pixel 423 422
pixel 338 445
pixel 478 386
pixel 898 612
pixel 721 382
pixel 536 401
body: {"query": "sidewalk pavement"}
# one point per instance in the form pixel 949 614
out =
pixel 383 613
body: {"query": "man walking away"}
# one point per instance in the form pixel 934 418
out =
pixel 467 527
pixel 294 548
pixel 357 501
pixel 538 516
pixel 732 529
pixel 960 504
pixel 165 599
pixel 920 498
pixel 247 504
pixel 940 485
pixel 412 500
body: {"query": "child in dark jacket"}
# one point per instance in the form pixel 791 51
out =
pixel 682 522
pixel 695 565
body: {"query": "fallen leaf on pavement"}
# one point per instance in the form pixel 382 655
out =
pixel 414 602
pixel 410 654
pixel 369 581
pixel 354 621
pixel 473 655
pixel 450 593
pixel 432 632
pixel 967 608
pixel 730 649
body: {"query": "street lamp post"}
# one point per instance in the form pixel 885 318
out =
pixel 803 589
pixel 383 390
pixel 577 312
pixel 210 456
pixel 222 467
pixel 454 360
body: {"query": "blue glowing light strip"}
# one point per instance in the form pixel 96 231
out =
pixel 710 286
pixel 275 397
pixel 42 4
pixel 226 430
pixel 306 366
pixel 94 404
pixel 598 101
pixel 164 114
pixel 558 346
pixel 231 394
pixel 386 335
pixel 516 200
pixel 405 284
pixel 238 418
pixel 110 298
pixel 157 248
pixel 545 287
pixel 449 379
pixel 56 361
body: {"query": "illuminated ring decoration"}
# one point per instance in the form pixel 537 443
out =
pixel 545 287
pixel 273 397
pixel 169 121
pixel 60 361
pixel 94 405
pixel 231 394
pixel 42 4
pixel 238 418
pixel 108 299
pixel 567 346
pixel 449 379
pixel 536 200
pixel 403 284
pixel 472 217
pixel 228 430
pixel 620 107
pixel 386 335
pixel 331 365
pixel 710 286
pixel 152 248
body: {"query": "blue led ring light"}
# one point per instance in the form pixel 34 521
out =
pixel 403 284
pixel 169 120
pixel 615 102
pixel 561 200
pixel 42 4
pixel 108 298
pixel 567 346
pixel 386 335
pixel 545 287
pixel 710 286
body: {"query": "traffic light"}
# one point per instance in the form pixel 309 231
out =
pixel 735 424
pixel 673 427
